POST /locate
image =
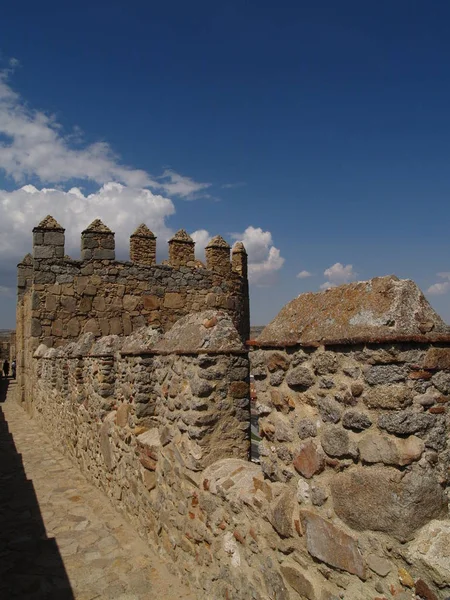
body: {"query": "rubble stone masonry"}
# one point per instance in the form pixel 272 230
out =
pixel 353 385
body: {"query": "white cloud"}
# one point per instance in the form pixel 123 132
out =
pixel 304 274
pixel 120 207
pixel 34 145
pixel 264 258
pixel 201 238
pixel 178 185
pixel 232 186
pixel 338 274
pixel 437 289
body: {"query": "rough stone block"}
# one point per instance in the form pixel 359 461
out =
pixel 300 378
pixel 335 441
pixel 375 447
pixel 282 514
pixel 331 545
pixel 309 460
pixel 406 422
pixel 385 499
pixel 437 358
pixel 384 374
pixel 151 302
pixel 54 238
pixel 299 581
pixel 388 396
pixel 45 252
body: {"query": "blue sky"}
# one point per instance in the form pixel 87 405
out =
pixel 319 133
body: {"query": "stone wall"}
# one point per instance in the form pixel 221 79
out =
pixel 60 298
pixel 350 499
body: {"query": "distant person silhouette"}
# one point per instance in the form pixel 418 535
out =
pixel 13 369
pixel 6 368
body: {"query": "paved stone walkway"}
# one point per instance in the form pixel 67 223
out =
pixel 59 536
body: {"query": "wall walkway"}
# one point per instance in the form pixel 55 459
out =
pixel 59 536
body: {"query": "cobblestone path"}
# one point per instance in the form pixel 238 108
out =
pixel 59 536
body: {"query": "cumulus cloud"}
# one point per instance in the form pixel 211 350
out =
pixel 442 287
pixel 338 274
pixel 264 259
pixel 34 145
pixel 304 274
pixel 120 207
pixel 201 238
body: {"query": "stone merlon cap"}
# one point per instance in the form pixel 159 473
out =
pixel 49 223
pixel 182 236
pixel 379 310
pixel 97 226
pixel 218 242
pixel 239 248
pixel 27 260
pixel 144 232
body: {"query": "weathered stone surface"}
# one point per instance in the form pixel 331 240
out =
pixel 379 565
pixel 384 308
pixel 385 374
pixel 300 378
pixel 309 460
pixel 335 441
pixel 375 447
pixel 423 591
pixel 388 396
pixel 356 420
pixel 332 545
pixel 325 362
pixel 105 445
pixel 277 361
pixel 441 380
pixel 122 415
pixel 201 387
pixel 299 581
pixel 384 499
pixel 190 335
pixel 406 422
pixel 431 551
pixel 307 428
pixel 329 410
pixel 437 358
pixel 282 514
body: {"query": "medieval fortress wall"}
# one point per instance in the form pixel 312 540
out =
pixel 61 298
pixel 349 500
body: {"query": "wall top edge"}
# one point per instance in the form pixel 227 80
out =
pixel 351 341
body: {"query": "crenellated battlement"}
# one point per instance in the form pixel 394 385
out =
pixel 60 298
pixel 98 244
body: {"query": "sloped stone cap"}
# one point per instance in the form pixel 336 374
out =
pixel 141 340
pixel 27 260
pixel 239 248
pixel 218 242
pixel 379 310
pixel 97 226
pixel 40 351
pixel 106 345
pixel 49 223
pixel 83 345
pixel 182 236
pixel 209 331
pixel 144 232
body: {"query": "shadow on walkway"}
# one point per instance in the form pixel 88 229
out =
pixel 31 567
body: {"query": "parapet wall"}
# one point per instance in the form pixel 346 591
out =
pixel 350 499
pixel 59 299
